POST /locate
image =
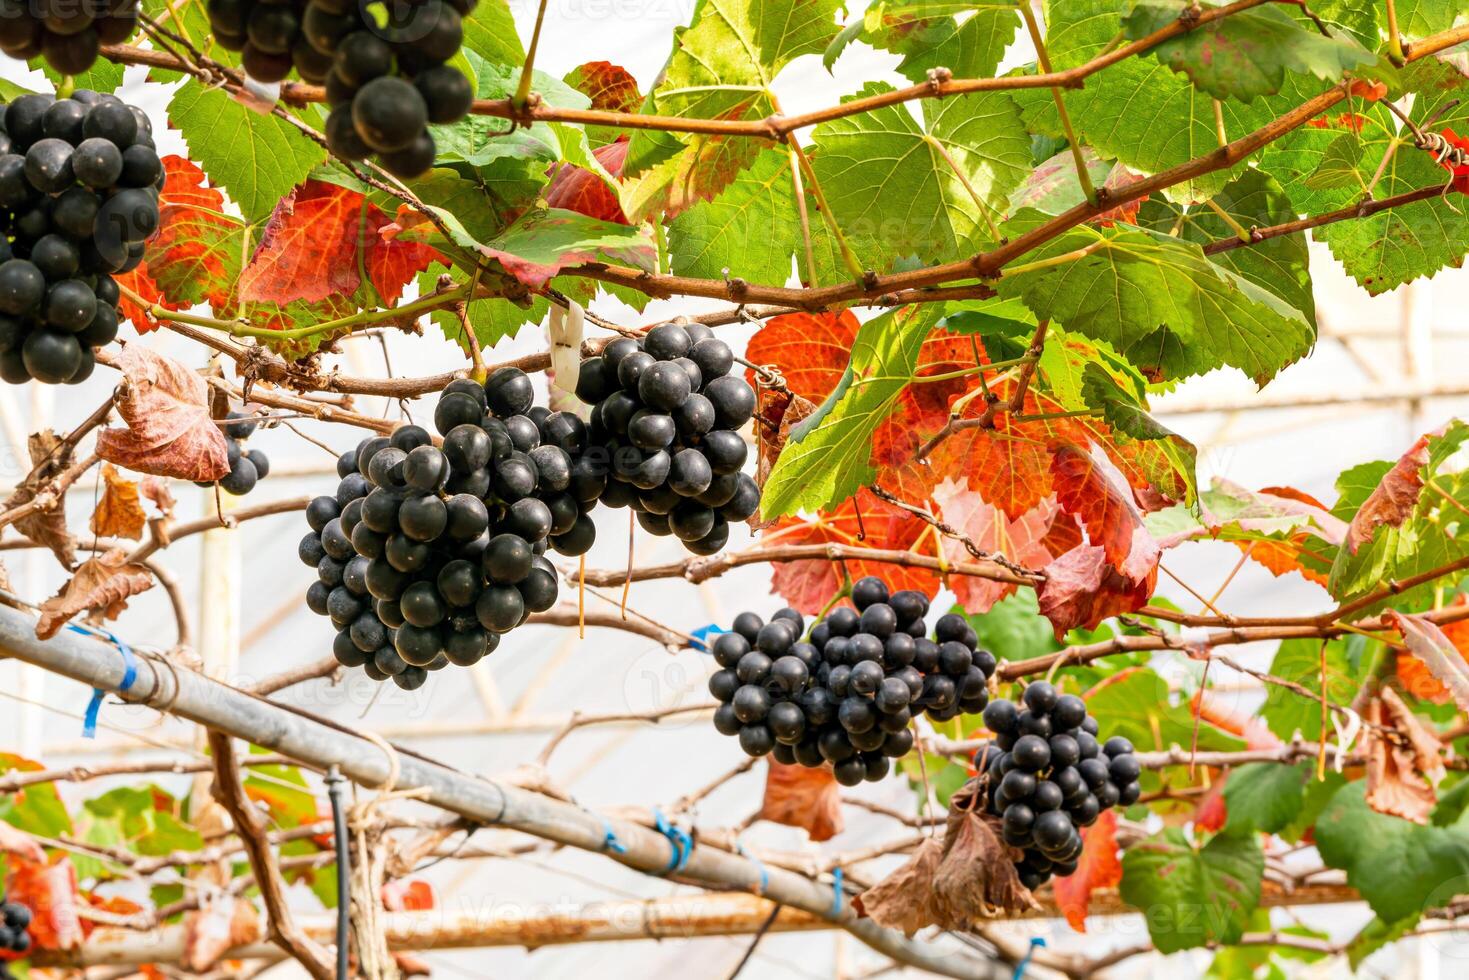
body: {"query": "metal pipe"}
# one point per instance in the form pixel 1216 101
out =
pixel 168 687
pixel 343 841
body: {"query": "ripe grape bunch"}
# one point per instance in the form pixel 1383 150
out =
pixel 427 555
pixel 67 33
pixel 848 692
pixel 385 81
pixel 15 920
pixel 247 467
pixel 665 418
pixel 1049 777
pixel 79 183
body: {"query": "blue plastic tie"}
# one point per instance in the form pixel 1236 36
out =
pixel 678 839
pixel 759 866
pixel 836 892
pixel 610 841
pixel 129 674
pixel 1035 941
pixel 702 634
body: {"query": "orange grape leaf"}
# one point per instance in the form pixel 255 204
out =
pixel 800 797
pixel 1110 518
pixel 1414 674
pixel 1098 867
pixel 1429 644
pixel 810 350
pixel 50 892
pixel 864 521
pixel 408 895
pixel 169 430
pixel 1213 811
pixel 196 254
pixel 1082 588
pixel 103 583
pixel 119 512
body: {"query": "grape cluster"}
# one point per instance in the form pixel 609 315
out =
pixel 15 920
pixel 247 467
pixel 385 81
pixel 666 410
pixel 427 555
pixel 67 33
pixel 1049 776
pixel 79 183
pixel 847 693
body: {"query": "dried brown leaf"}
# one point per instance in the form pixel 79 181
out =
pixel 976 877
pixel 1394 498
pixel 216 928
pixel 904 899
pixel 1394 784
pixel 156 490
pixel 169 429
pixel 47 526
pixel 103 583
pixel 800 797
pixel 119 512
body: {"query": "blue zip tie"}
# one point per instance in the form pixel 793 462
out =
pixel 701 636
pixel 1035 941
pixel 130 674
pixel 836 892
pixel 764 874
pixel 679 841
pixel 610 842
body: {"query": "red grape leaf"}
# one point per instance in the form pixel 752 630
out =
pixel 1110 518
pixel 169 430
pixel 1213 813
pixel 408 895
pixel 1098 867
pixel 610 87
pixel 50 892
pixel 574 188
pixel 1023 541
pixel 800 797
pixel 140 281
pixel 808 584
pixel 196 254
pixel 1081 589
pixel 102 583
pixel 119 512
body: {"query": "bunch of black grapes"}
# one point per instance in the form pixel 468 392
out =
pixel 848 692
pixel 247 467
pixel 1049 777
pixel 67 33
pixel 665 420
pixel 427 555
pixel 79 183
pixel 15 920
pixel 385 81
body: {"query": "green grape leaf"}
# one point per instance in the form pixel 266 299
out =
pixel 1246 55
pixel 489 32
pixel 103 76
pixel 928 34
pixel 1399 867
pixel 1193 896
pixel 481 140
pixel 1137 704
pixel 722 67
pixel 1419 18
pixel 931 191
pixel 1158 301
pixel 256 159
pixel 1128 416
pixel 1265 796
pixel 831 460
pixel 750 230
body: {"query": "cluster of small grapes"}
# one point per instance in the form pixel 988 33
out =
pixel 15 919
pixel 425 556
pixel 666 410
pixel 247 467
pixel 1049 777
pixel 848 692
pixel 79 183
pixel 386 81
pixel 67 33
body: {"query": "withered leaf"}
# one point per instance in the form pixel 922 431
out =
pixel 976 877
pixel 119 512
pixel 103 583
pixel 904 899
pixel 46 527
pixel 805 798
pixel 156 490
pixel 221 925
pixel 169 429
pixel 1394 783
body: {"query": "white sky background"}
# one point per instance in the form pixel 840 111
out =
pixel 614 671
